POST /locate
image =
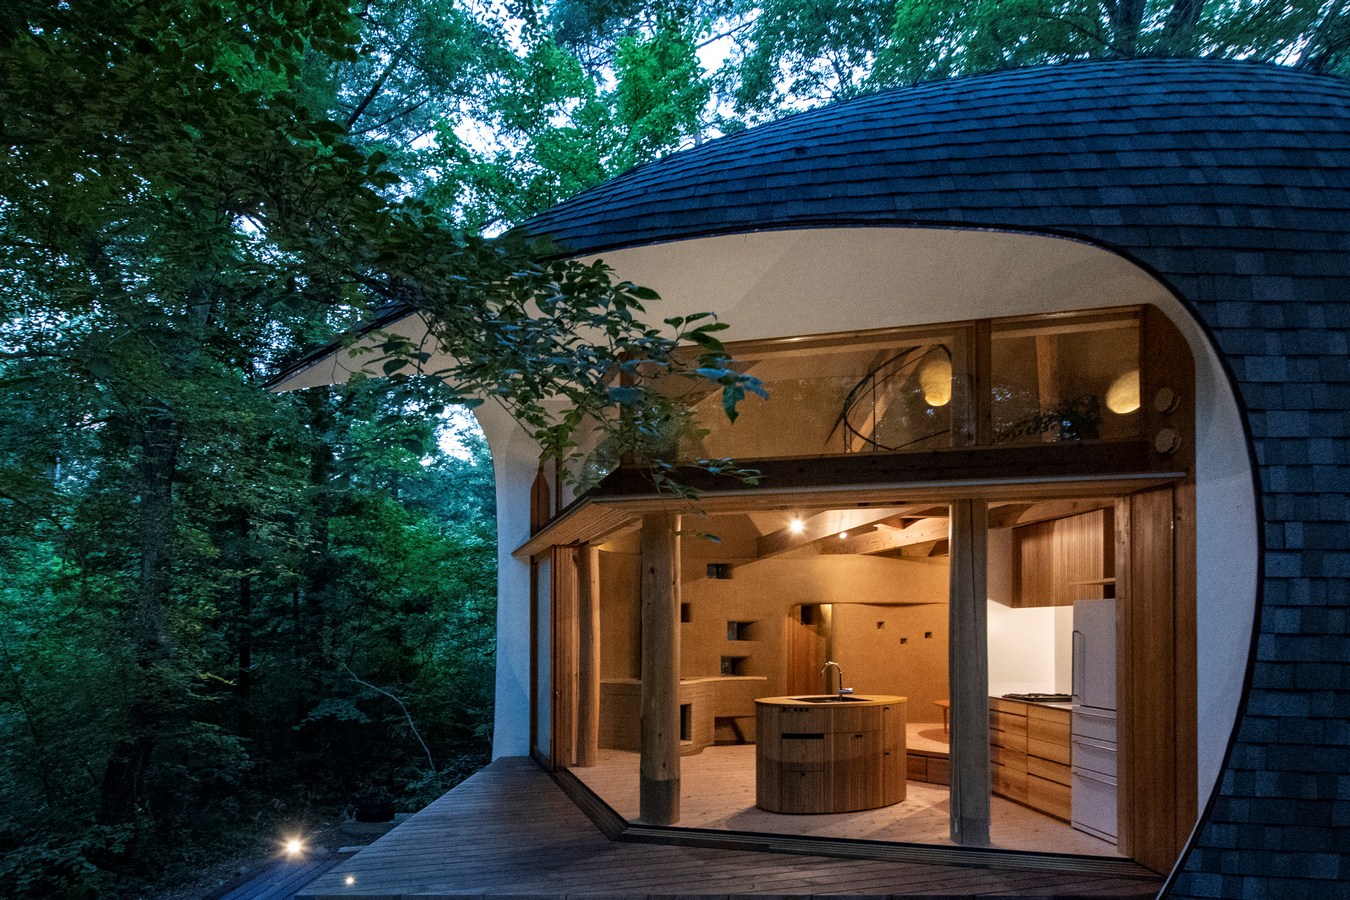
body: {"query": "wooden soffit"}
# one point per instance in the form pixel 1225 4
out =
pixel 863 481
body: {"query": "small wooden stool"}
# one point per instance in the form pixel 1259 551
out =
pixel 946 706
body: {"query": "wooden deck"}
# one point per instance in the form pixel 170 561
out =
pixel 509 831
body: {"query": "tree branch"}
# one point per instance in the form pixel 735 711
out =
pixel 378 85
pixel 431 763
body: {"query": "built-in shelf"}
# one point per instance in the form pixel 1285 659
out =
pixel 742 631
pixel 733 665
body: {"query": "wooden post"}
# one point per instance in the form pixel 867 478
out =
pixel 588 655
pixel 1047 380
pixel 659 770
pixel 968 672
pixel 563 664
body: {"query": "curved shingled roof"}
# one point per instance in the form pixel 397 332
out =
pixel 1231 181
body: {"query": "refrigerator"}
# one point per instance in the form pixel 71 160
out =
pixel 1093 757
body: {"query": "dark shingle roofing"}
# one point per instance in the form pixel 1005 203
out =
pixel 1231 181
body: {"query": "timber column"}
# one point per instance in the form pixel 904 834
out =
pixel 968 671
pixel 588 655
pixel 659 779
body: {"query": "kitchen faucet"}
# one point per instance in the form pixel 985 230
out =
pixel 825 668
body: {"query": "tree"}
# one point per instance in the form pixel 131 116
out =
pixel 792 55
pixel 193 191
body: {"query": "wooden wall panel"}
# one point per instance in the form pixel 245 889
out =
pixel 566 647
pixel 588 655
pixel 1185 747
pixel 620 616
pixel 1157 680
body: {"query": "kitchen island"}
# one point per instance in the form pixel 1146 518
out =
pixel 824 754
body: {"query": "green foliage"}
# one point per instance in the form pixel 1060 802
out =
pixel 807 53
pixel 660 93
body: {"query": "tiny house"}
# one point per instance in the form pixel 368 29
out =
pixel 1037 338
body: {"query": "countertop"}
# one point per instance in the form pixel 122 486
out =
pixel 859 700
pixel 1057 704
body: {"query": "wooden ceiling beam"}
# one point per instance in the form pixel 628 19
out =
pixel 885 538
pixel 823 525
pixel 1027 513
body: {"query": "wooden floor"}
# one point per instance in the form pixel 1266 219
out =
pixel 509 831
pixel 718 792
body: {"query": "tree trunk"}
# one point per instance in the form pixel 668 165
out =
pixel 1179 27
pixel 1328 41
pixel 1126 20
pixel 121 792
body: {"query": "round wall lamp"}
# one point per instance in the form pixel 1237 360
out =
pixel 935 380
pixel 1123 395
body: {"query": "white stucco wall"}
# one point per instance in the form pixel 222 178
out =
pixel 515 459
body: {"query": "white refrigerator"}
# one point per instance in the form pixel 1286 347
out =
pixel 1093 796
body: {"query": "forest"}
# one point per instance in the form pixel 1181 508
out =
pixel 225 612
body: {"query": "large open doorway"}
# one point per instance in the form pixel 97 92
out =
pixel 973 482
pixel 766 603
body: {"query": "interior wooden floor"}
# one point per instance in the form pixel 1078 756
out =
pixel 717 791
pixel 510 832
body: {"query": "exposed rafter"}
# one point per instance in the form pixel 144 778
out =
pixel 886 538
pixel 824 525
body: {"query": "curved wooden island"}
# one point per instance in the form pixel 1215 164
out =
pixel 819 754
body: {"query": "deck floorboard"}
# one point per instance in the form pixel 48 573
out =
pixel 510 832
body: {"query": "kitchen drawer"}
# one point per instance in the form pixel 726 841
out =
pixel 1016 707
pixel 1094 756
pixel 1055 751
pixel 1048 737
pixel 1094 724
pixel 847 717
pixel 1011 737
pixel 1050 797
pixel 802 749
pixel 801 719
pixel 801 791
pixel 1051 731
pixel 1095 806
pixel 1013 759
pixel 1007 722
pixel 1050 714
pixel 1013 741
pixel 1008 783
pixel 1050 771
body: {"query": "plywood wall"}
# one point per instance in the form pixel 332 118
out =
pixel 908 596
pixel 898 650
pixel 620 616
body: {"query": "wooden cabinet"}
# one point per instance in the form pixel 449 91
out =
pixel 829 757
pixel 1062 560
pixel 1029 754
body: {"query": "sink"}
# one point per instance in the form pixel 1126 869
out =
pixel 830 698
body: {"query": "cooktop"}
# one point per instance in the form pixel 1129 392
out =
pixel 1040 698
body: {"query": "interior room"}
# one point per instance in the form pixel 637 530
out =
pixel 769 597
